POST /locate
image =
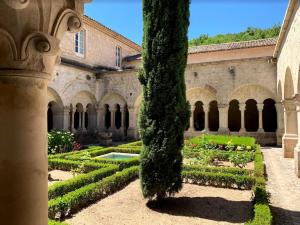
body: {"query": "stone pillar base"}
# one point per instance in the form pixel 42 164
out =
pixel 279 139
pixel 297 161
pixel 224 131
pixel 289 142
pixel 260 130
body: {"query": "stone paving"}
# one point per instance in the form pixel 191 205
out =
pixel 284 187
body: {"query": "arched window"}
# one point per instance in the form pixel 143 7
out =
pixel 213 116
pixel 107 117
pixel 118 117
pixel 251 116
pixel 234 116
pixel 50 117
pixel 199 117
pixel 269 116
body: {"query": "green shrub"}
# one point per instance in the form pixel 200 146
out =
pixel 84 196
pixel 241 160
pixel 53 222
pixel 64 187
pixel 60 142
pixel 69 165
pixel 211 169
pixel 219 179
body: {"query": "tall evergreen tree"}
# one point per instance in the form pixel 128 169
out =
pixel 164 113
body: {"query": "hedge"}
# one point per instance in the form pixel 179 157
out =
pixel 64 155
pixel 64 187
pixel 236 171
pixel 53 222
pixel 76 200
pixel 262 212
pixel 68 165
pixel 223 180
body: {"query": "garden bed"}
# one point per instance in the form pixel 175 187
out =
pixel 194 205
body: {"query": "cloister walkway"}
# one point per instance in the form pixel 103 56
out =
pixel 283 186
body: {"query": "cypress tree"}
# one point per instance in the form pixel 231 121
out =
pixel 164 112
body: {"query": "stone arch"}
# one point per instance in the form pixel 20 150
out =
pixel 69 92
pixel 54 111
pixel 83 97
pixel 288 90
pixel 113 99
pixel 200 94
pixel 234 116
pixel 251 91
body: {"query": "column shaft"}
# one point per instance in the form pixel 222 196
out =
pixel 243 109
pixel 223 118
pixel 206 118
pixel 260 108
pixel 23 155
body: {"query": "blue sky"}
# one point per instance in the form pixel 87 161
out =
pixel 207 16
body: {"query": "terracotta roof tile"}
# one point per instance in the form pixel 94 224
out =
pixel 232 45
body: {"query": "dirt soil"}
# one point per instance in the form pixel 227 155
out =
pixel 194 205
pixel 59 175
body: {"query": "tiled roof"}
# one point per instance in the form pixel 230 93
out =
pixel 233 45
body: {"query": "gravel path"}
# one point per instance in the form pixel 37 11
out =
pixel 59 175
pixel 194 205
pixel 283 186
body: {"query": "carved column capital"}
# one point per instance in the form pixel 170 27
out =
pixel 30 34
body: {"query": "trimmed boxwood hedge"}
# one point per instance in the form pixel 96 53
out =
pixel 236 171
pixel 64 187
pixel 76 200
pixel 262 212
pixel 225 180
pixel 53 222
pixel 68 165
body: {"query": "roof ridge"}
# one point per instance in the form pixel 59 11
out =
pixel 236 42
pixel 137 46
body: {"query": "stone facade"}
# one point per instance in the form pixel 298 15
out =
pixel 288 80
pixel 246 88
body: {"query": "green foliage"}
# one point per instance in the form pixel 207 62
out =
pixel 222 142
pixel 212 169
pixel 53 222
pixel 68 165
pixel 250 34
pixel 60 142
pixel 164 113
pixel 64 187
pixel 77 199
pixel 226 180
pixel 241 160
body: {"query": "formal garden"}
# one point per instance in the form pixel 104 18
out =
pixel 225 162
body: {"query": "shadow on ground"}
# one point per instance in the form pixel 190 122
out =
pixel 285 217
pixel 211 208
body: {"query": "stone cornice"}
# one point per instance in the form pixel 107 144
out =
pixel 284 27
pixel 89 21
pixel 30 33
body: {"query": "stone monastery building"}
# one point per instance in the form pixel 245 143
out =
pixel 246 88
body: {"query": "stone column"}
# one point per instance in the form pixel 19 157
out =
pixel 132 132
pixel 113 116
pixel 260 107
pixel 80 121
pixel 290 137
pixel 192 128
pixel 242 109
pixel 83 122
pixel 73 121
pixel 280 123
pixel 29 45
pixel 206 119
pixel 66 116
pixel 297 148
pixel 223 118
pixel 99 114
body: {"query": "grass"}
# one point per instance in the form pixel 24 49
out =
pixel 224 140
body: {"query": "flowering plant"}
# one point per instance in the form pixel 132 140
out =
pixel 60 142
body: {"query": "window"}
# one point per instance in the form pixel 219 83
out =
pixel 118 56
pixel 79 42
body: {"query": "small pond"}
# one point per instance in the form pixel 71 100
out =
pixel 118 156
